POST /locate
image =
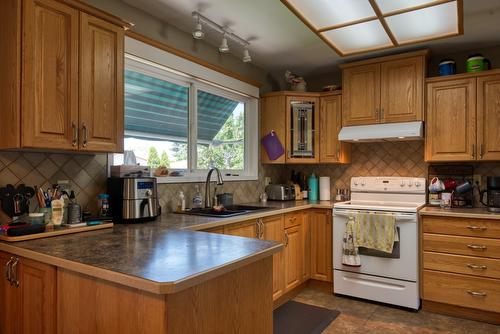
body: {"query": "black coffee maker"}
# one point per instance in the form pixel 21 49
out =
pixel 492 193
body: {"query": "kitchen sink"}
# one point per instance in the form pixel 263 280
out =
pixel 229 211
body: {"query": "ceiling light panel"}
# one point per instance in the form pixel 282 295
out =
pixel 359 37
pixel 425 24
pixel 388 6
pixel 327 13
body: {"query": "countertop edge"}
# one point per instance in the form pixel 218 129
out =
pixel 137 282
pixel 436 212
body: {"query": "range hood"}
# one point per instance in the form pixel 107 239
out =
pixel 382 132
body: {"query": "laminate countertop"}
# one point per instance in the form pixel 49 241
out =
pixel 478 213
pixel 164 256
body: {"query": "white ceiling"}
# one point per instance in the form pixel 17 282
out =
pixel 279 40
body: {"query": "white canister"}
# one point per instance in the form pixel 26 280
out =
pixel 324 188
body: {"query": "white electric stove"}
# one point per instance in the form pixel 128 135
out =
pixel 388 278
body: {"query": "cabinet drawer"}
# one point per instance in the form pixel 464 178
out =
pixel 470 265
pixel 293 219
pixel 482 247
pixel 467 291
pixel 485 228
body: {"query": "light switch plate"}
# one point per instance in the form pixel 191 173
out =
pixel 477 178
pixel 267 180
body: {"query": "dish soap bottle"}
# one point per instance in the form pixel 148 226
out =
pixel 181 203
pixel 197 199
pixel 313 187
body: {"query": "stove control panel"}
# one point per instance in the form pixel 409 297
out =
pixel 393 184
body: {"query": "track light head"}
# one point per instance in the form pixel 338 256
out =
pixel 224 47
pixel 246 56
pixel 198 31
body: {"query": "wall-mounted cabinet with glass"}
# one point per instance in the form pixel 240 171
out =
pixel 307 125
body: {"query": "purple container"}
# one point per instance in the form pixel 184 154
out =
pixel 272 145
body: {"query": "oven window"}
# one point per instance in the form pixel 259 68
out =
pixel 376 253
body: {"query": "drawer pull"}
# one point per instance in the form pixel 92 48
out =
pixel 477 247
pixel 476 293
pixel 477 267
pixel 477 228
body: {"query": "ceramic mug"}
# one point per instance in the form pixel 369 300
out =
pixel 464 187
pixel 436 185
pixel 450 184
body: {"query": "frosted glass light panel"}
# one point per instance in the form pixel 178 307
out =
pixel 424 24
pixel 302 129
pixel 387 6
pixel 327 13
pixel 359 37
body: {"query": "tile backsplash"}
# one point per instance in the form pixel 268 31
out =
pixel 87 173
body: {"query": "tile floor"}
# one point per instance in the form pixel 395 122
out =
pixel 358 317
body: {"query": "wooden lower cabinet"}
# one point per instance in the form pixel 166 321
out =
pixel 30 305
pixel 321 245
pixel 273 229
pixel 248 229
pixel 294 257
pixel 461 267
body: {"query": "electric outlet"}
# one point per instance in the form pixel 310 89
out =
pixel 267 180
pixel 477 179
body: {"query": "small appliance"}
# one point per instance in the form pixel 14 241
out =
pixel 280 192
pixel 492 193
pixel 133 200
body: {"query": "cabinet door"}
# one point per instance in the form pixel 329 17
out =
pixel 37 282
pixel 450 133
pixel 49 75
pixel 101 85
pixel 273 118
pixel 361 95
pixel 488 117
pixel 321 245
pixel 294 257
pixel 331 150
pixel 273 230
pixel 10 306
pixel 402 90
pixel 245 229
pixel 302 139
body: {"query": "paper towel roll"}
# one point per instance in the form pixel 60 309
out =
pixel 324 188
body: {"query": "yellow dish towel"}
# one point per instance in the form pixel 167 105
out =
pixel 376 231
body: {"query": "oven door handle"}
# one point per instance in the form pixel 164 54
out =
pixel 399 216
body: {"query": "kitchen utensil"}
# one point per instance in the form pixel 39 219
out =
pixel 272 145
pixel 492 193
pixel 447 67
pixel 436 185
pixel 477 63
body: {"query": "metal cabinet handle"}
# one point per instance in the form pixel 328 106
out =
pixel 477 293
pixel 477 228
pixel 477 267
pixel 14 280
pixel 257 232
pixel 263 229
pixel 85 135
pixel 481 151
pixel 8 273
pixel 473 151
pixel 286 239
pixel 478 247
pixel 382 113
pixel 74 142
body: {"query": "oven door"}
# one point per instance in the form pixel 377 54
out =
pixel 401 264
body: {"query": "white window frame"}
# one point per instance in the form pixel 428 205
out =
pixel 203 80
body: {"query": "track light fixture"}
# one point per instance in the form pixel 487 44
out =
pixel 246 56
pixel 198 31
pixel 226 35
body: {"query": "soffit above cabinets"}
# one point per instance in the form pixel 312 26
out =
pixel 353 27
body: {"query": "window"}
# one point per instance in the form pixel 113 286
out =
pixel 187 125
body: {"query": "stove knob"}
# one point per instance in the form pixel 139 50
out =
pixel 402 183
pixel 363 183
pixel 410 183
pixel 355 182
pixel 417 184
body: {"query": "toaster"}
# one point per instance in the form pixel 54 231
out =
pixel 280 192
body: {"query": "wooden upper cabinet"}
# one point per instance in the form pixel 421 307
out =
pixel 273 118
pixel 50 75
pixel 361 95
pixel 331 150
pixel 451 120
pixel 101 85
pixel 488 117
pixel 402 90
